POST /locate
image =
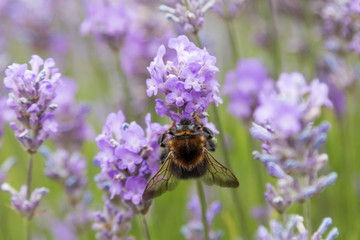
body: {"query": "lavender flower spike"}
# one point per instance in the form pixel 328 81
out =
pixel 31 96
pixel 187 80
pixel 295 229
pixel 26 207
pixel 188 14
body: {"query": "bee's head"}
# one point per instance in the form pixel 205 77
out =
pixel 185 125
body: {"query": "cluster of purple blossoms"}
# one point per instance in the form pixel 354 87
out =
pixel 4 168
pixel 229 9
pixel 26 207
pixel 187 14
pixel 290 149
pixel 187 80
pixel 193 230
pixel 243 85
pixel 127 158
pixel 294 229
pixel 112 223
pixel 31 97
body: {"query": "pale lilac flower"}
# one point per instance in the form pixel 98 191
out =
pixel 127 158
pixel 112 223
pixel 229 9
pixel 32 92
pixel 243 85
pixel 188 15
pixel 294 229
pixel 26 207
pixel 193 230
pixel 68 169
pixel 187 80
pixel 4 168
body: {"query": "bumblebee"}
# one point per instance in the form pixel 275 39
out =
pixel 187 155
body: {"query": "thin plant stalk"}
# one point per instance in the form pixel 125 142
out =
pixel 237 201
pixel 201 194
pixel 232 38
pixel 307 214
pixel 28 193
pixel 146 228
pixel 125 87
pixel 274 35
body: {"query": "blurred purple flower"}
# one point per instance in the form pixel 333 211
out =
pixel 4 168
pixel 187 80
pixel 36 28
pixel 26 207
pixel 127 158
pixel 228 9
pixel 243 85
pixel 73 128
pixel 294 229
pixel 108 21
pixel 188 15
pixel 68 169
pixel 193 230
pixel 112 222
pixel 6 116
pixel 31 96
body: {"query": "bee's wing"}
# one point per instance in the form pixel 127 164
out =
pixel 217 173
pixel 162 181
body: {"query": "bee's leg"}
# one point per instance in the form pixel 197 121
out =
pixel 211 144
pixel 163 156
pixel 162 139
pixel 208 133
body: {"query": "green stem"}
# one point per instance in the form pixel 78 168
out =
pixel 28 193
pixel 309 35
pixel 201 194
pixel 307 215
pixel 197 40
pixel 232 38
pixel 125 87
pixel 273 32
pixel 29 176
pixel 146 228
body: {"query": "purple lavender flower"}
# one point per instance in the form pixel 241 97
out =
pixel 290 149
pixel 125 157
pixel 109 21
pixel 187 80
pixel 4 168
pixel 31 97
pixel 26 207
pixel 188 14
pixel 73 128
pixel 112 223
pixel 68 169
pixel 294 229
pixel 193 230
pixel 243 85
pixel 228 10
